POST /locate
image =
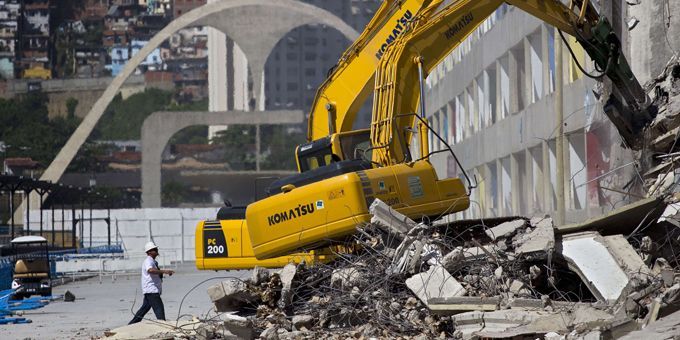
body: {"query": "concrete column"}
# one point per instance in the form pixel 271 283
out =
pixel 547 185
pixel 468 113
pixel 529 185
pixel 499 97
pixel 515 182
pixel 545 57
pixel 514 75
pixel 559 152
pixel 487 201
pixel 475 98
pixel 258 145
pixel 528 73
pixel 499 188
pixel 474 107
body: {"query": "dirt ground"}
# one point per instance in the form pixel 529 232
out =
pixel 109 304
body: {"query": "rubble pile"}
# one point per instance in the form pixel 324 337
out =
pixel 661 149
pixel 511 277
pixel 498 278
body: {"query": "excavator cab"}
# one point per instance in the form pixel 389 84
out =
pixel 351 145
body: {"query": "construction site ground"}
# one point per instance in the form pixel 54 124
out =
pixel 103 306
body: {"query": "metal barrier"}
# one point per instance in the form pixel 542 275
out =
pixel 5 273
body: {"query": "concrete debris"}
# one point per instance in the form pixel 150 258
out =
pixel 540 239
pixel 287 275
pixel 348 278
pixel 664 328
pixel 239 326
pixel 452 305
pixel 588 256
pixel 434 283
pixel 388 219
pixel 506 229
pixel 511 277
pixel 302 322
pixel 230 295
pixel 259 275
pixel 158 329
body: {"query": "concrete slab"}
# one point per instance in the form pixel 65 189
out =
pixel 109 304
pixel 620 220
pixel 588 256
pixel 389 219
pixel 434 283
pixel 667 327
pixel 626 256
pixel 505 229
pixel 453 305
pixel 540 239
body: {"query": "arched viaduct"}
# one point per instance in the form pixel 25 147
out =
pixel 255 25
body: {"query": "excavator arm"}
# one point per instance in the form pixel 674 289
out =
pixel 418 51
pixel 348 85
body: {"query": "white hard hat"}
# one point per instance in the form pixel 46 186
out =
pixel 149 245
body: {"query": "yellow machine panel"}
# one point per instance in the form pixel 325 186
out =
pixel 225 245
pixel 312 215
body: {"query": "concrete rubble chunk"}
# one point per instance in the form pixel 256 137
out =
pixel 626 256
pixel 452 305
pixel 389 219
pixel 259 275
pixel 270 333
pixel 540 239
pixel 304 321
pixel 587 255
pixel 519 288
pixel 157 329
pixel 230 295
pixel 434 283
pixel 459 256
pixel 407 256
pixel 237 325
pixel 494 324
pixel 347 278
pixel 287 275
pixel 505 229
pixel 664 328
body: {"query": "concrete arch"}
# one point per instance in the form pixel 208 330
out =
pixel 159 127
pixel 255 25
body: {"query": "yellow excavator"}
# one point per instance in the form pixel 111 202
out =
pixel 224 243
pixel 342 171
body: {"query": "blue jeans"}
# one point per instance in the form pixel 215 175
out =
pixel 151 300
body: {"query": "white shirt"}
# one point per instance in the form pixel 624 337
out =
pixel 151 283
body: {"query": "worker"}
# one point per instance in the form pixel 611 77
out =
pixel 152 283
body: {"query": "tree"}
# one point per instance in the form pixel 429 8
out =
pixel 280 142
pixel 239 142
pixel 71 104
pixel 173 193
pixel 123 118
pixel 27 131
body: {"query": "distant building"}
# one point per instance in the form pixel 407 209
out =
pixel 9 23
pixel 21 166
pixel 153 61
pixel 94 9
pixel 33 57
pixel 296 67
pixel 119 55
pixel 180 7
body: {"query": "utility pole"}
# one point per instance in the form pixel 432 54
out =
pixel 559 114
